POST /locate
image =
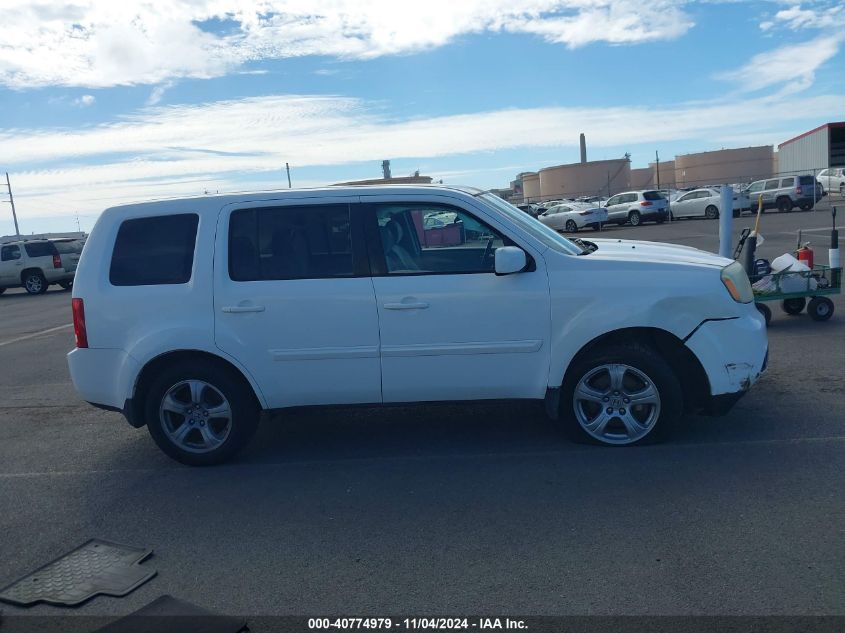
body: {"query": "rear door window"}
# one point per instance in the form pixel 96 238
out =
pixel 9 253
pixel 154 251
pixel 308 242
pixel 40 249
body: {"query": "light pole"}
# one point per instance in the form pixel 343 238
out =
pixel 12 202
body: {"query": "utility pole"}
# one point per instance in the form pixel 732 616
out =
pixel 287 169
pixel 12 202
pixel 657 168
pixel 78 230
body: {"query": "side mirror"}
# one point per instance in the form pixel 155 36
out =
pixel 509 260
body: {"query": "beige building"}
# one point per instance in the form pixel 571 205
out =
pixel 724 166
pixel 592 178
pixel 531 187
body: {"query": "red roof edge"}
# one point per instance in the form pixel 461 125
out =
pixel 813 131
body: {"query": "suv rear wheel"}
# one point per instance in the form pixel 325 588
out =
pixel 34 282
pixel 621 395
pixel 200 414
pixel 634 218
pixel 784 205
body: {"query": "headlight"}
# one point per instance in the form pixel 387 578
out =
pixel 736 281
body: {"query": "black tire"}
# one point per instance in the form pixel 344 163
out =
pixel 596 226
pixel 806 207
pixel 634 218
pixel 67 285
pixel 784 205
pixel 820 308
pixel 794 306
pixel 711 212
pixel 34 282
pixel 763 309
pixel 671 216
pixel 642 359
pixel 244 408
pixel 570 226
pixel 737 213
pixel 2 290
pixel 661 219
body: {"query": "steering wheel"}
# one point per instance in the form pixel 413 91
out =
pixel 487 252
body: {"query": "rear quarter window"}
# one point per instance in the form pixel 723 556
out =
pixel 154 251
pixel 40 249
pixel 74 246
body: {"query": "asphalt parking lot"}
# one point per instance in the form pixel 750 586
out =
pixel 448 510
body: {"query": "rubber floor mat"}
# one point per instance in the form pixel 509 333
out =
pixel 170 615
pixel 95 567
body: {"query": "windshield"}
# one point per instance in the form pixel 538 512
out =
pixel 532 226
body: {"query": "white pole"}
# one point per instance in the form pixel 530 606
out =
pixel 726 217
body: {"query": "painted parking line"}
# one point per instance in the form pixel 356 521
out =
pixel 34 334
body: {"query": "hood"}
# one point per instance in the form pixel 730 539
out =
pixel 636 250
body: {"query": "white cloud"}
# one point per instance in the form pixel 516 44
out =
pixel 101 43
pixel 158 92
pixel 792 66
pixel 183 150
pixel 84 101
pixel 820 15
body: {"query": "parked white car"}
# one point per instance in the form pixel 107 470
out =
pixel 191 316
pixel 573 216
pixel 833 180
pixel 36 264
pixel 705 203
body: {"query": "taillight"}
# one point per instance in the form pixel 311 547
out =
pixel 798 190
pixel 57 261
pixel 645 203
pixel 79 330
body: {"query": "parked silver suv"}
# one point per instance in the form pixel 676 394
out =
pixel 785 193
pixel 637 207
pixel 36 264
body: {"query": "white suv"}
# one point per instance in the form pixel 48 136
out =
pixel 36 264
pixel 194 315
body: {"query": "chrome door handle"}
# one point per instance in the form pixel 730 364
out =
pixel 416 305
pixel 239 309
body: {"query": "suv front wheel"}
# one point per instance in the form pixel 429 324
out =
pixel 200 414
pixel 621 395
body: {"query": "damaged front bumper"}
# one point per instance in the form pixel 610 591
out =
pixel 734 354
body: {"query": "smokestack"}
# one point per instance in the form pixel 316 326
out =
pixel 385 167
pixel 583 148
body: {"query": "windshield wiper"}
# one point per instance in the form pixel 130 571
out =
pixel 585 246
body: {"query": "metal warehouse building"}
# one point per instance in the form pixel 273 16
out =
pixel 812 151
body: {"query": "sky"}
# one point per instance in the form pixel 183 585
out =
pixel 104 102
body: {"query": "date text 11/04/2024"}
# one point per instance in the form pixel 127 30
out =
pixel 415 624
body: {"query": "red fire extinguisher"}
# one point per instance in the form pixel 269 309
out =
pixel 805 255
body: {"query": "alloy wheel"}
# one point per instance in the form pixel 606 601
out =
pixel 616 404
pixel 196 416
